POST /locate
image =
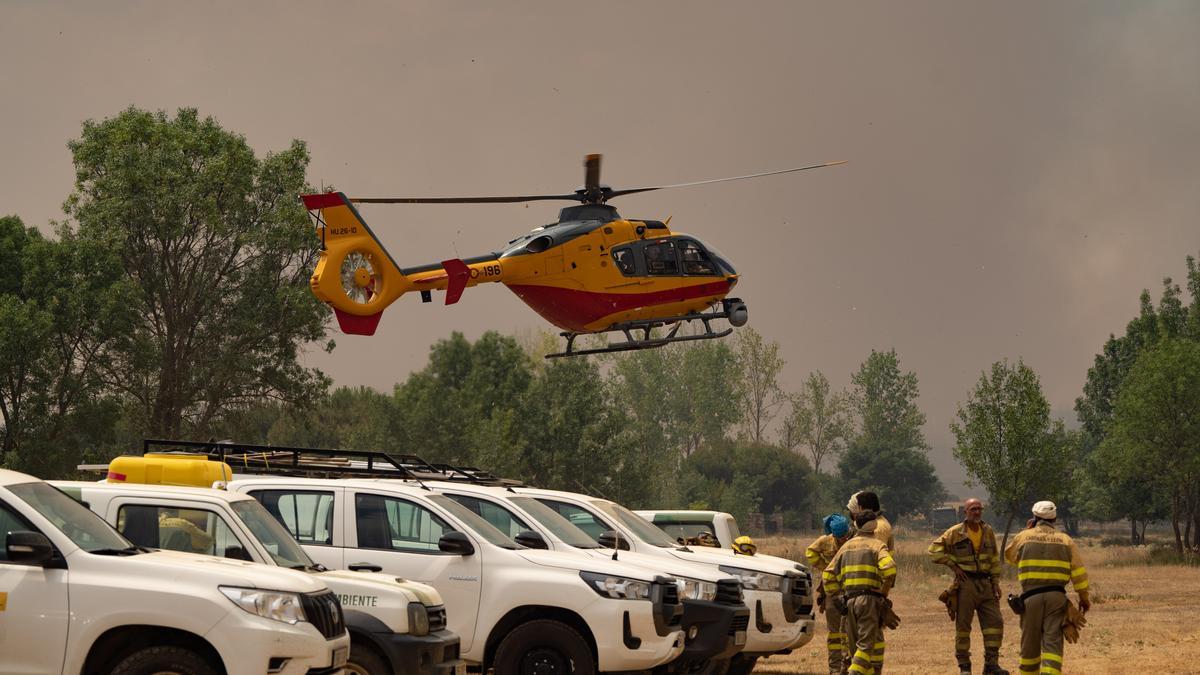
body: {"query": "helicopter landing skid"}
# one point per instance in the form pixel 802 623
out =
pixel 646 341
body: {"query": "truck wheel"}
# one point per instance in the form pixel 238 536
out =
pixel 366 661
pixel 741 664
pixel 164 661
pixel 544 647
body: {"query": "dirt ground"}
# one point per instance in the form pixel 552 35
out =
pixel 1144 618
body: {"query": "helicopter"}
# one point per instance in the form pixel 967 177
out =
pixel 590 272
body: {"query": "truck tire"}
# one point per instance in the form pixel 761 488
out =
pixel 164 661
pixel 713 667
pixel 544 647
pixel 741 664
pixel 365 660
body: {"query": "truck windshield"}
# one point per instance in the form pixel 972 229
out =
pixel 478 525
pixel 87 530
pixel 559 526
pixel 278 541
pixel 641 528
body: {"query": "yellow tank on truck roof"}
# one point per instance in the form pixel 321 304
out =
pixel 168 469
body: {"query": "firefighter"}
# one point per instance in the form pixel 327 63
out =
pixel 820 553
pixel 864 501
pixel 858 579
pixel 1046 561
pixel 969 550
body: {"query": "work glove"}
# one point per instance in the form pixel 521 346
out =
pixel 821 603
pixel 1084 603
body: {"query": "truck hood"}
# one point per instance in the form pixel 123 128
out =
pixel 577 563
pixel 347 582
pixel 662 565
pixel 728 554
pixel 190 568
pixel 758 563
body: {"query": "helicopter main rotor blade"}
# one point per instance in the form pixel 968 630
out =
pixel 630 191
pixel 462 200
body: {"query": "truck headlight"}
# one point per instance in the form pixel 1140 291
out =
pixel 275 605
pixel 753 580
pixel 617 587
pixel 696 589
pixel 418 619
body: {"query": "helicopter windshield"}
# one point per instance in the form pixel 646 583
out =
pixel 721 259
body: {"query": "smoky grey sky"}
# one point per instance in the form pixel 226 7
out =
pixel 1018 171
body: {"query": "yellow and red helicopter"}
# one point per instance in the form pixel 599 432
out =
pixel 590 272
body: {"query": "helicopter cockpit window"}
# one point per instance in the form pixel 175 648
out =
pixel 695 259
pixel 623 258
pixel 660 258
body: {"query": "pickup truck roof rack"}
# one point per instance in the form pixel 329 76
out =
pixel 298 461
pixel 325 462
pixel 475 475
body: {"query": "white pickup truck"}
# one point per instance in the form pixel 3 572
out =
pixel 78 598
pixel 714 616
pixel 517 610
pixel 778 591
pixel 396 626
pixel 684 525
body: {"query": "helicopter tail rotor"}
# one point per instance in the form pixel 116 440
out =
pixel 354 275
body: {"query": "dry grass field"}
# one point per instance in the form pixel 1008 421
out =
pixel 1145 618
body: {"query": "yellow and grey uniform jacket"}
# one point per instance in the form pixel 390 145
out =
pixel 861 564
pixel 954 546
pixel 820 553
pixel 1046 557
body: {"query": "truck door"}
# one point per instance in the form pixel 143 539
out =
pixel 401 536
pixel 33 609
pixel 310 515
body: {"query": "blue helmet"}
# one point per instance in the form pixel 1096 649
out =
pixel 836 524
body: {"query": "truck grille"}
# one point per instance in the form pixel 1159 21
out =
pixel 437 618
pixel 801 589
pixel 670 601
pixel 729 592
pixel 324 612
pixel 739 623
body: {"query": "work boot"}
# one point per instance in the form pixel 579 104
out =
pixel 994 669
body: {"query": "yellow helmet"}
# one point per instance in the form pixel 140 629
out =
pixel 744 545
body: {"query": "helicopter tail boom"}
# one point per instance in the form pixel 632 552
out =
pixel 357 277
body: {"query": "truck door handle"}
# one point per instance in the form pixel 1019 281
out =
pixel 365 567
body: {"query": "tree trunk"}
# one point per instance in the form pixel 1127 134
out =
pixel 1007 526
pixel 1133 534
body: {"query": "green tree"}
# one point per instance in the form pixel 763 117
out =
pixel 759 365
pixel 820 420
pixel 63 306
pixel 1007 442
pixel 1156 429
pixel 219 250
pixel 743 477
pixel 888 452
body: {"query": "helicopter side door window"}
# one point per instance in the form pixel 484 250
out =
pixel 660 258
pixel 695 259
pixel 623 258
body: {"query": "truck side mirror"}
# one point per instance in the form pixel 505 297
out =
pixel 531 539
pixel 238 553
pixel 28 548
pixel 456 543
pixel 609 539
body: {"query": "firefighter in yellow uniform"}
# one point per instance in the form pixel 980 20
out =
pixel 1047 560
pixel 969 549
pixel 859 577
pixel 820 553
pixel 869 501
